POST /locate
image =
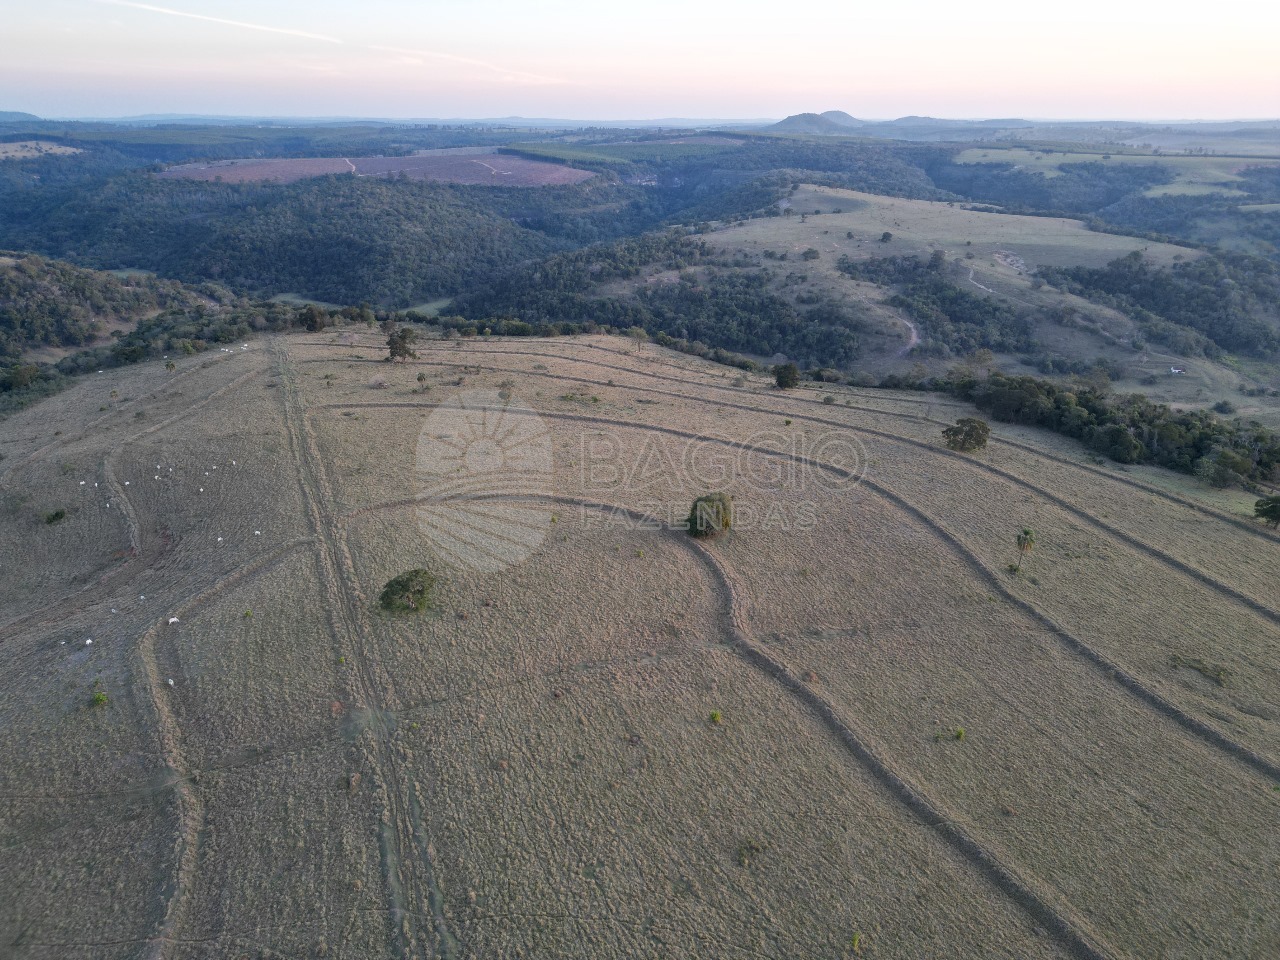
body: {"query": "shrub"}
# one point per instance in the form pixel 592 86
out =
pixel 710 515
pixel 409 592
pixel 55 516
pixel 749 850
pixel 1268 511
pixel 787 375
pixel 967 434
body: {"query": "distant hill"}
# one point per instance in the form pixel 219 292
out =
pixel 842 118
pixel 14 116
pixel 839 123
pixel 815 124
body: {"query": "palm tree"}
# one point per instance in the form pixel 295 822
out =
pixel 1025 541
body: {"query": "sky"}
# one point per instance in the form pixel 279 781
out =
pixel 1086 59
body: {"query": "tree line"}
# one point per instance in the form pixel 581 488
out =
pixel 1128 428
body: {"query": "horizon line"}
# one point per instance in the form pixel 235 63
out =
pixel 104 118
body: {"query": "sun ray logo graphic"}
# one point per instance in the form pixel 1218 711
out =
pixel 483 462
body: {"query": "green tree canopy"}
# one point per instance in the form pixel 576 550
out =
pixel 967 434
pixel 1268 511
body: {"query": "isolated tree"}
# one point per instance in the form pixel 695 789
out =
pixel 1268 511
pixel 967 434
pixel 787 375
pixel 398 343
pixel 710 515
pixel 409 592
pixel 171 366
pixel 1025 540
pixel 886 237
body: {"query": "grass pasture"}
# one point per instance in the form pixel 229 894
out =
pixel 30 149
pixel 1192 175
pixel 921 226
pixel 844 729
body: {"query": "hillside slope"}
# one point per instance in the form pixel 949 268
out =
pixel 52 304
pixel 843 727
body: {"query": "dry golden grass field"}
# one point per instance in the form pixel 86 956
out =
pixel 843 729
pixel 26 149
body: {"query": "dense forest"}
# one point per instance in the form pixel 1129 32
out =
pixel 732 310
pixel 393 242
pixel 336 239
pixel 1232 300
pixel 952 320
pixel 49 303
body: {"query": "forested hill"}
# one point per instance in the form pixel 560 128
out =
pixel 1232 300
pixel 51 303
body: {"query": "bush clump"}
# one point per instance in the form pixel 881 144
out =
pixel 408 593
pixel 710 515
pixel 967 434
pixel 55 516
